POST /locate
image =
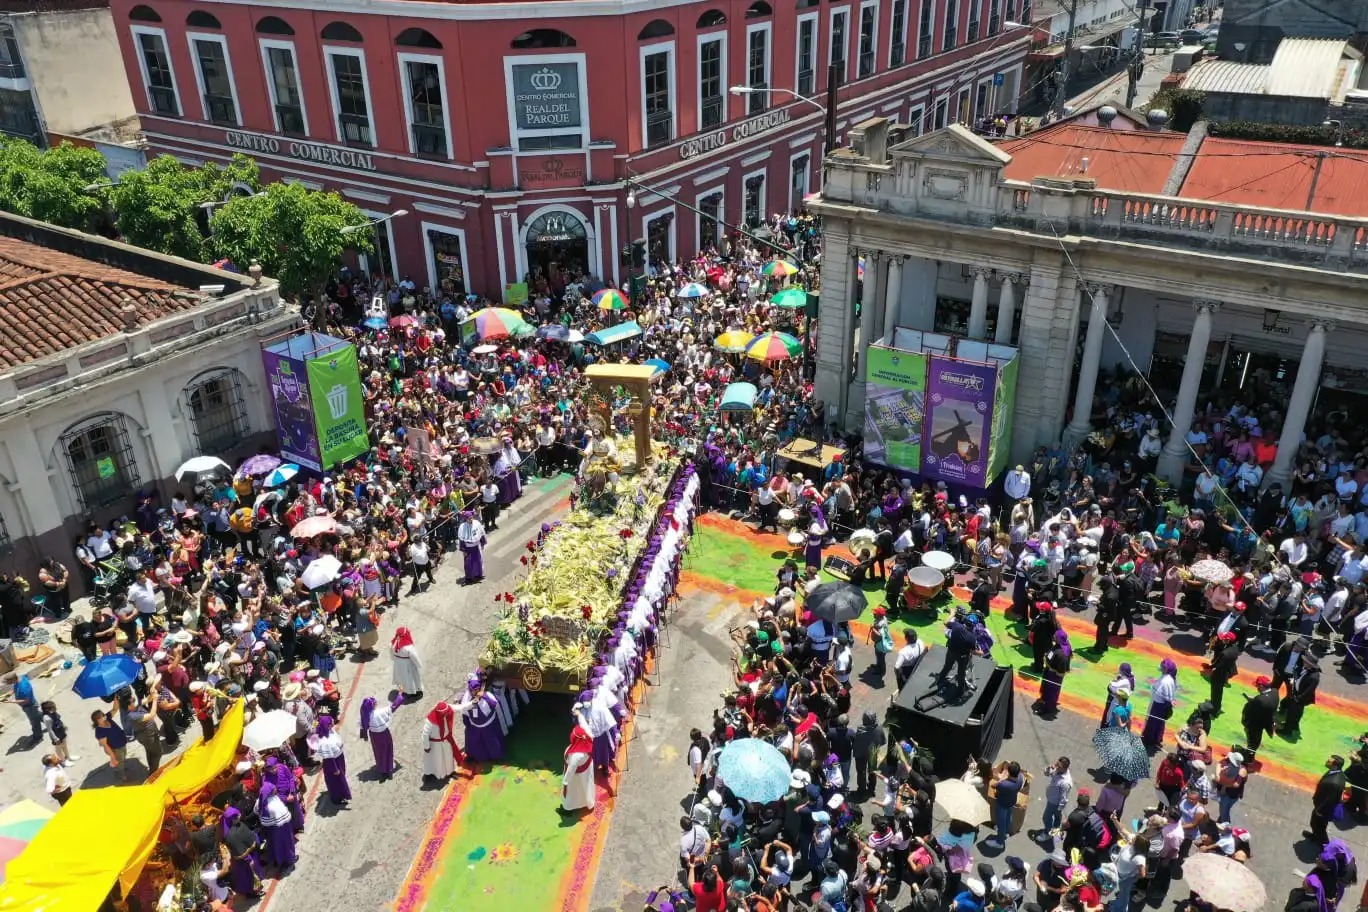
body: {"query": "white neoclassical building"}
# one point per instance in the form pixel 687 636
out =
pixel 116 365
pixel 1201 262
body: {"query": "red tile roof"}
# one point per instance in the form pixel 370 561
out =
pixel 1126 161
pixel 52 301
pixel 1279 176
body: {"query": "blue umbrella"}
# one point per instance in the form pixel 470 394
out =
pixel 280 475
pixel 554 332
pixel 660 365
pixel 692 290
pixel 107 675
pixel 754 770
pixel 375 322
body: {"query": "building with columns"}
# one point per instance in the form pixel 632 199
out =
pixel 1201 264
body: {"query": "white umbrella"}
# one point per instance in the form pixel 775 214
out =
pixel 201 464
pixel 575 336
pixel 961 801
pixel 1224 882
pixel 321 571
pixel 263 498
pixel 269 731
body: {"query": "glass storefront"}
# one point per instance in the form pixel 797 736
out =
pixel 449 262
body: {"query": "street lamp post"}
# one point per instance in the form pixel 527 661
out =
pixel 828 110
pixel 374 225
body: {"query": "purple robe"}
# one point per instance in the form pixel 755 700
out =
pixel 1051 683
pixel 1156 723
pixel 382 747
pixel 484 737
pixel 474 559
pixel 812 554
pixel 335 778
pixel 280 846
pixel 605 748
pixel 244 872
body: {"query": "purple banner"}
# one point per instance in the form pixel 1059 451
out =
pixel 293 409
pixel 959 417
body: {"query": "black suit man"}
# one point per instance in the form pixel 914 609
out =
pixel 1329 792
pixel 1301 693
pixel 1223 667
pixel 1260 713
pixel 1286 660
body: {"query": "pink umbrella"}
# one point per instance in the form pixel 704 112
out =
pixel 313 526
pixel 402 320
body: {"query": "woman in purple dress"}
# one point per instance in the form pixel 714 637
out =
pixel 276 834
pixel 480 712
pixel 244 869
pixel 375 723
pixel 1162 693
pixel 282 777
pixel 1052 680
pixel 329 750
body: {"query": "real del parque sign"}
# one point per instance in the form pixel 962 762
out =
pixel 307 151
pixel 711 142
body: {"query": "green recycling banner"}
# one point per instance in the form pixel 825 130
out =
pixel 338 405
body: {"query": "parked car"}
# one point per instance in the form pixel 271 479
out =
pixel 1191 36
pixel 1163 40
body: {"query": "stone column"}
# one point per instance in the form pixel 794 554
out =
pixel 1006 313
pixel 871 308
pixel 1175 452
pixel 848 329
pixel 1080 427
pixel 1299 406
pixel 892 297
pixel 978 307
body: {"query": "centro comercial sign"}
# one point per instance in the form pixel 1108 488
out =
pixel 711 142
pixel 305 151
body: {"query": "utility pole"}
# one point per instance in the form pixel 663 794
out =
pixel 1061 92
pixel 1137 64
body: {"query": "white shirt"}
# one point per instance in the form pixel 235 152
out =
pixel 143 596
pixel 1295 554
pixel 418 553
pixel 843 663
pixel 693 843
pixel 55 779
pixel 909 654
pixel 1017 484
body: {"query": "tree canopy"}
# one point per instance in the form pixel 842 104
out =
pixel 162 206
pixel 50 185
pixel 296 234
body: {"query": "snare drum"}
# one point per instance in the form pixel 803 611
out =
pixel 939 560
pixel 787 518
pixel 797 539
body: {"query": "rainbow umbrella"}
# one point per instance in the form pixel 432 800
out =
pixel 790 299
pixel 496 322
pixel 779 268
pixel 610 299
pixel 733 341
pixel 19 823
pixel 774 346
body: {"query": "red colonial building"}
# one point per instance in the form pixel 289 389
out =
pixel 506 135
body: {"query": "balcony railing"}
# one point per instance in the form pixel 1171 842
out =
pixel 291 119
pixel 356 130
pixel 807 82
pixel 866 64
pixel 430 140
pixel 659 128
pixel 164 100
pixel 714 111
pixel 220 109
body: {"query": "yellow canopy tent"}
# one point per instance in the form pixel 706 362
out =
pixel 105 835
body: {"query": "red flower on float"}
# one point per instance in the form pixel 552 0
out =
pixel 587 611
pixel 523 560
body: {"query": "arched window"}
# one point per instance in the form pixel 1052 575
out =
pixel 712 17
pixel 217 410
pixel 656 28
pixel 759 10
pixel 542 38
pixel 100 460
pixel 418 38
pixel 143 14
pixel 340 31
pixel 201 19
pixel 809 4
pixel 274 25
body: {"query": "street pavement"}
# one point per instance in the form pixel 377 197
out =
pixel 1112 90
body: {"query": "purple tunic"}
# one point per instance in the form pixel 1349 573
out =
pixel 335 778
pixel 604 749
pixel 382 746
pixel 280 845
pixel 474 561
pixel 484 737
pixel 1050 684
pixel 244 873
pixel 812 554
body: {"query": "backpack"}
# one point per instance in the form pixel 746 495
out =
pixel 1107 878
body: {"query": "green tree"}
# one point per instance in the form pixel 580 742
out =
pixel 161 206
pixel 1184 107
pixel 293 232
pixel 49 185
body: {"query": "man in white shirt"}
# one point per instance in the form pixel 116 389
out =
pixel 1351 568
pixel 1017 483
pixel 1346 487
pixel 693 844
pixel 100 543
pixel 906 661
pixel 843 659
pixel 1293 550
pixel 421 563
pixel 142 594
pixel 1249 477
pixel 904 542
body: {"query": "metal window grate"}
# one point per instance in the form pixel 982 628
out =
pixel 218 412
pixel 100 460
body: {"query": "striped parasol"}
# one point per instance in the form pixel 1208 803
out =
pixel 610 299
pixel 790 299
pixel 733 341
pixel 692 290
pixel 779 268
pixel 496 322
pixel 774 346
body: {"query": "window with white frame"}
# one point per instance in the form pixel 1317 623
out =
pixel 840 40
pixel 712 80
pixel 981 101
pixel 158 76
pixel 425 105
pixel 994 17
pixel 942 110
pixel 351 96
pixel 218 411
pixel 805 82
pixel 1011 11
pixel 657 93
pixel 660 237
pixel 754 202
pixel 951 24
pixel 100 461
pixel 869 28
pixel 710 220
pixel 210 53
pixel 924 27
pixel 972 32
pixel 897 35
pixel 282 79
pixel 916 119
pixel 757 67
pixel 800 176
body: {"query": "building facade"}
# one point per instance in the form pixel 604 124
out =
pixel 128 364
pixel 507 130
pixel 1166 279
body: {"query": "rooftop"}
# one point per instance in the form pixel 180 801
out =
pixel 1125 160
pixel 1324 68
pixel 1277 176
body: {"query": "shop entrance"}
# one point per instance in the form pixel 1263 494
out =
pixel 557 243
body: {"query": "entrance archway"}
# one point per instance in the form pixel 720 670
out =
pixel 558 240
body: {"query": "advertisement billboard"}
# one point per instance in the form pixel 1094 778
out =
pixel 1004 404
pixel 293 408
pixel 895 408
pixel 959 406
pixel 338 405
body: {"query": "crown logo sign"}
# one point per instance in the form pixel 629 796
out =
pixel 546 79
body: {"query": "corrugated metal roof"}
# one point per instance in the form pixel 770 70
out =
pixel 1227 77
pixel 1306 67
